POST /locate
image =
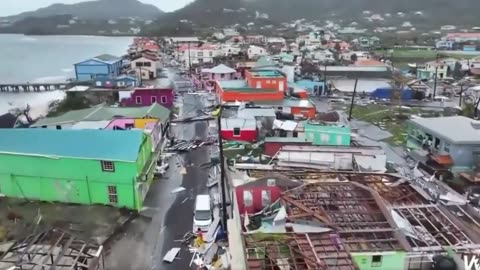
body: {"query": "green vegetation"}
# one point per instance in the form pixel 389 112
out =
pixel 400 54
pixel 68 104
pixel 387 118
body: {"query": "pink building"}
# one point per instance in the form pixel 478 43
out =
pixel 148 96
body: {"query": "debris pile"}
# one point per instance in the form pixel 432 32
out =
pixel 185 146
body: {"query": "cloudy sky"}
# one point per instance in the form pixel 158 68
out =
pixel 10 7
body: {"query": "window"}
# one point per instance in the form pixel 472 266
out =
pixel 274 82
pixel 446 147
pixel 236 132
pixel 107 166
pixel 437 143
pixel 247 198
pixel 259 84
pixel 153 100
pixel 210 54
pixel 163 99
pixel 112 194
pixel 121 83
pixel 147 64
pixel 295 134
pixel 200 54
pixel 324 138
pixel 139 64
pixel 222 75
pixel 376 260
pixel 268 82
pixel 266 198
pixel 58 127
pixel 138 100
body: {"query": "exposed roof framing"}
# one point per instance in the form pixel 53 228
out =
pixel 53 250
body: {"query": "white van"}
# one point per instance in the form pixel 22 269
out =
pixel 202 215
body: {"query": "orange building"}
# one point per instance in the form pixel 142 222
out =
pixel 261 85
pixel 266 79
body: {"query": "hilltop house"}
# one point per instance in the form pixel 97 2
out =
pixel 104 65
pixel 77 166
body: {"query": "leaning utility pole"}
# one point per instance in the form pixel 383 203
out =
pixel 223 184
pixel 353 100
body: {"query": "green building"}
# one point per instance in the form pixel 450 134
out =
pixel 327 134
pixel 77 166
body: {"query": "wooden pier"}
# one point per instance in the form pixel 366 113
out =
pixel 33 87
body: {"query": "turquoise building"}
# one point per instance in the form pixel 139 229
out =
pixel 327 134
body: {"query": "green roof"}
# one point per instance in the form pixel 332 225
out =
pixel 264 61
pixel 110 145
pixel 266 73
pixel 107 58
pixel 102 113
pixel 285 140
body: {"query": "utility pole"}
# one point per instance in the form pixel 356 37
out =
pixel 223 184
pixel 325 78
pixel 353 100
pixel 189 62
pixel 435 81
pixel 461 94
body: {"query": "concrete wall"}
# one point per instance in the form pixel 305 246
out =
pixel 66 183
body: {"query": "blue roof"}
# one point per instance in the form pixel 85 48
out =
pixel 109 145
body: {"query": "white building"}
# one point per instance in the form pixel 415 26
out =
pixel 197 55
pixel 256 51
pixel 323 56
pixel 145 67
pixel 220 72
pixel 230 49
pixel 230 32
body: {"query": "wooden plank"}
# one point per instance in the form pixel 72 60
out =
pixel 171 255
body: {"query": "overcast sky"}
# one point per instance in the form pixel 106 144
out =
pixel 11 7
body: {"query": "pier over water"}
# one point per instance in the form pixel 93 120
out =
pixel 34 87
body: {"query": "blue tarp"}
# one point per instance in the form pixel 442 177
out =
pixel 386 93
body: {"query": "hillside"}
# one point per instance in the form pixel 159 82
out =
pixel 100 9
pixel 226 12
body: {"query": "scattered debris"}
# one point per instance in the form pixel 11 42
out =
pixel 171 255
pixel 177 190
pixel 185 146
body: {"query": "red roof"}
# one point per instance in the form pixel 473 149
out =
pixel 203 47
pixel 463 35
pixel 151 47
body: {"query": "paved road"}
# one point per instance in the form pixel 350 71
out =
pixel 166 217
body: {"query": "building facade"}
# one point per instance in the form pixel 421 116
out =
pixel 321 134
pixel 457 137
pixel 101 66
pixel 149 96
pixel 116 166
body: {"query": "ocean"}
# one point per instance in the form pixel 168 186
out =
pixel 47 59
